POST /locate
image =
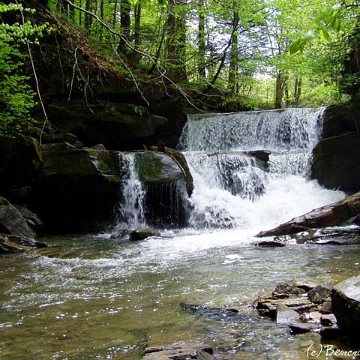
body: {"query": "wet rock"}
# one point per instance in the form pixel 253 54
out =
pixel 302 327
pixel 180 159
pixel 336 162
pixel 8 247
pixel 285 315
pixel 330 332
pixel 262 155
pixel 267 306
pixel 346 305
pixel 270 244
pixel 328 320
pixel 157 168
pixel 320 293
pixel 143 233
pixel 76 189
pixel 343 235
pixel 326 307
pixel 329 215
pixel 10 244
pixel 20 161
pixel 180 352
pixel 13 221
pixel 31 218
pixel 288 289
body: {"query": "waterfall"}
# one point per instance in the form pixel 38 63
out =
pixel 131 210
pixel 151 192
pixel 233 188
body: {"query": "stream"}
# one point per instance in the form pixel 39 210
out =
pixel 106 298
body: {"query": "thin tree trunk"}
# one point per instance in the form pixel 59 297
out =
pixel 201 42
pixel 88 18
pixel 297 90
pixel 176 40
pixel 125 22
pixel 234 54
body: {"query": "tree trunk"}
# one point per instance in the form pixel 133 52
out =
pixel 329 215
pixel 281 81
pixel 201 42
pixel 176 40
pixel 297 90
pixel 125 22
pixel 137 37
pixel 232 81
pixel 88 18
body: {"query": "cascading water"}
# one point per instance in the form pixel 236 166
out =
pixel 131 210
pixel 234 189
pixel 105 299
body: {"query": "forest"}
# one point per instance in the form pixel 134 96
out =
pixel 259 53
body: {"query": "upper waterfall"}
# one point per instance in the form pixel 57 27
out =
pixel 234 189
pixel 297 128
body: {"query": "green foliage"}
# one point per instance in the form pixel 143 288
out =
pixel 16 95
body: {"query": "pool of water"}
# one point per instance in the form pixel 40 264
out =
pixel 100 298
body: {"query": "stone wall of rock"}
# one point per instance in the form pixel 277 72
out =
pixel 336 158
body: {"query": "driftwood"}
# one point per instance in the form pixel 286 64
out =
pixel 329 215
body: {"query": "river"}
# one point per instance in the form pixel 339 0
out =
pixel 105 298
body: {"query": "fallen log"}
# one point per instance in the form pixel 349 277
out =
pixel 328 215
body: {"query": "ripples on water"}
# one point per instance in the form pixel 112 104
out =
pixel 102 298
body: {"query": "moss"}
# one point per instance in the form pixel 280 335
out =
pixel 148 167
pixel 107 161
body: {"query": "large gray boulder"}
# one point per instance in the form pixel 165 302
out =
pixel 346 306
pixel 336 162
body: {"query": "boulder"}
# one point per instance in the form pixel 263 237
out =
pixel 340 119
pixel 13 222
pixel 157 168
pixel 143 233
pixel 336 162
pixel 77 189
pixel 167 185
pixel 346 306
pixel 320 293
pixel 20 161
pixel 329 215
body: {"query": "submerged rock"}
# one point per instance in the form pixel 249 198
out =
pixel 143 233
pixel 179 352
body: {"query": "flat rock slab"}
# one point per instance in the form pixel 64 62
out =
pixel 285 315
pixel 180 352
pixel 267 306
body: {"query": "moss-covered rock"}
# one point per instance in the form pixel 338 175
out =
pixel 157 168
